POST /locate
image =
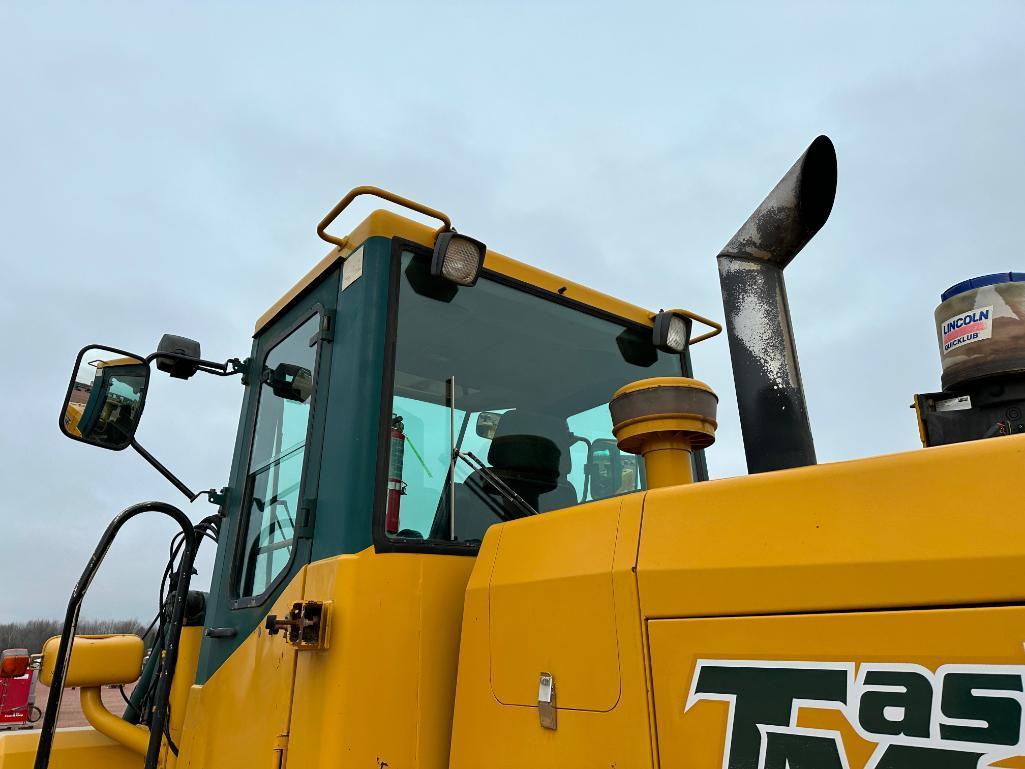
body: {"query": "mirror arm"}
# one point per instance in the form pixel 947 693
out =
pixel 229 368
pixel 175 481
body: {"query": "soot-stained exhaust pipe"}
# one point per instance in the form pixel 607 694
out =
pixel 773 411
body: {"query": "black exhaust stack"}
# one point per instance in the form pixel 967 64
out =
pixel 773 411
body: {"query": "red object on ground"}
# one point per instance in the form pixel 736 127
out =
pixel 17 689
pixel 16 700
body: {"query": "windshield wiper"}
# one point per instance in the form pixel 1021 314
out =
pixel 501 486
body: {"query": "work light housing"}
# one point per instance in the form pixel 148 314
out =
pixel 457 258
pixel 671 331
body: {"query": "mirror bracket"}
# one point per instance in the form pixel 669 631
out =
pixel 245 368
pixel 174 479
pixel 231 367
pixel 215 497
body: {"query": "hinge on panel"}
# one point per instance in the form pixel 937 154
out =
pixel 305 625
pixel 546 707
pixel 327 328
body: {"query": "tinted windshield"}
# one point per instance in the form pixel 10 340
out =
pixel 533 378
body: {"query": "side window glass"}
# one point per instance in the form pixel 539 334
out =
pixel 609 471
pixel 275 473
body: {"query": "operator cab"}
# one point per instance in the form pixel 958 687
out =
pixel 515 378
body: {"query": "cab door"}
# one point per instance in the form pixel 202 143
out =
pixel 246 673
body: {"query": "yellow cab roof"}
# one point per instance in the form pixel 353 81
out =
pixel 389 224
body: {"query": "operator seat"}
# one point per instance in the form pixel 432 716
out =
pixel 533 424
pixel 530 453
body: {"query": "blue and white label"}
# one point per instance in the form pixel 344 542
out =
pixel 967 327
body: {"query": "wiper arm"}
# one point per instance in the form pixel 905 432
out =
pixel 503 488
pixel 475 464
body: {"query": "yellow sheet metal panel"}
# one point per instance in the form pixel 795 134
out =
pixel 552 608
pixel 76 748
pixel 383 223
pixel 233 721
pixel 184 677
pixel 194 730
pixel 935 688
pixel 96 660
pixel 382 693
pixel 488 733
pixel 936 526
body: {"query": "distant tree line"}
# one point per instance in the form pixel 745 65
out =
pixel 32 635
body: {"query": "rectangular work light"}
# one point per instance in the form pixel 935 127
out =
pixel 671 332
pixel 457 258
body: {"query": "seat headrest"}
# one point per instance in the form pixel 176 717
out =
pixel 529 455
pixel 532 424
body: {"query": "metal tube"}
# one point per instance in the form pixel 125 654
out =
pixel 175 481
pixel 391 197
pixel 452 460
pixel 770 394
pixel 105 722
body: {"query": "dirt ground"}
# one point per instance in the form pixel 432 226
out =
pixel 71 707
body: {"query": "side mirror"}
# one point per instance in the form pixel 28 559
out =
pixel 609 472
pixel 487 424
pixel 290 381
pixel 105 398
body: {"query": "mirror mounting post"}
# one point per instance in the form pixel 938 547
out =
pixel 174 479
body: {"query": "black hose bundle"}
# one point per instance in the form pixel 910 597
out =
pixel 139 708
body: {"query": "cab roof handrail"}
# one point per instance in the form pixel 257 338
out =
pixel 391 197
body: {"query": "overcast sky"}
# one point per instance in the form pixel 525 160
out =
pixel 164 167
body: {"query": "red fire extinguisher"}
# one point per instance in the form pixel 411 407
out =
pixel 396 488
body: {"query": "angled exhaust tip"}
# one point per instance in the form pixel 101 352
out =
pixel 770 394
pixel 793 212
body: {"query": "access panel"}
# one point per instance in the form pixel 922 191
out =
pixel 924 689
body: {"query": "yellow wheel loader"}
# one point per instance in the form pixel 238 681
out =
pixel 469 525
